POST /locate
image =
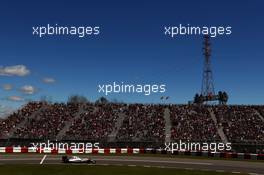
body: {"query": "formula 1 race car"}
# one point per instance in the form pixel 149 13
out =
pixel 76 159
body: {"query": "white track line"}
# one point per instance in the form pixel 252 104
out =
pixel 155 161
pixel 132 165
pixel 42 160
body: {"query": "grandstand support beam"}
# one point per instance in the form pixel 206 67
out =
pixel 168 125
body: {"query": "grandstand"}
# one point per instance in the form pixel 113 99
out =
pixel 141 124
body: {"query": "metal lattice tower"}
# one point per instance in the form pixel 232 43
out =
pixel 207 84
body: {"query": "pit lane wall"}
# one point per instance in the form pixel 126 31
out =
pixel 231 155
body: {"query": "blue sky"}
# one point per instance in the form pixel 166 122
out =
pixel 131 48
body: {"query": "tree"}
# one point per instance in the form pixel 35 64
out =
pixel 196 98
pixel 225 97
pixel 102 100
pixel 77 99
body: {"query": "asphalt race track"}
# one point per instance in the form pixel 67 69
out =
pixel 162 162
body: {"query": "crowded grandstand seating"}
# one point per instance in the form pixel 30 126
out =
pixel 96 122
pixel 260 109
pixel 11 123
pixel 142 123
pixel 138 122
pixel 240 123
pixel 192 123
pixel 48 122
